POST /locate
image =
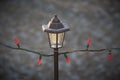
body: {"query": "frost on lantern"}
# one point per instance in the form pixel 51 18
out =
pixel 53 39
pixel 56 32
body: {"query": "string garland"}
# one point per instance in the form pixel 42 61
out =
pixel 17 42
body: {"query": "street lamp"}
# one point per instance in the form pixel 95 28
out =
pixel 56 34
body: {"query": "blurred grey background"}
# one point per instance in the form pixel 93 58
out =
pixel 95 19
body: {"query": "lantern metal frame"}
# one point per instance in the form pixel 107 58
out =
pixel 55 26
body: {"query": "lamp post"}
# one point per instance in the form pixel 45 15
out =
pixel 56 34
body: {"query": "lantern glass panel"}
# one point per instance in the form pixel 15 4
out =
pixel 56 39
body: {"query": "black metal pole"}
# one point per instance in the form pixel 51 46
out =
pixel 56 66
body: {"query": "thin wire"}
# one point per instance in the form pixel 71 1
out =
pixel 23 49
pixel 67 52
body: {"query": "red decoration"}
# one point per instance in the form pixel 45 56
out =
pixel 16 41
pixel 110 57
pixel 67 59
pixel 88 41
pixel 39 61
